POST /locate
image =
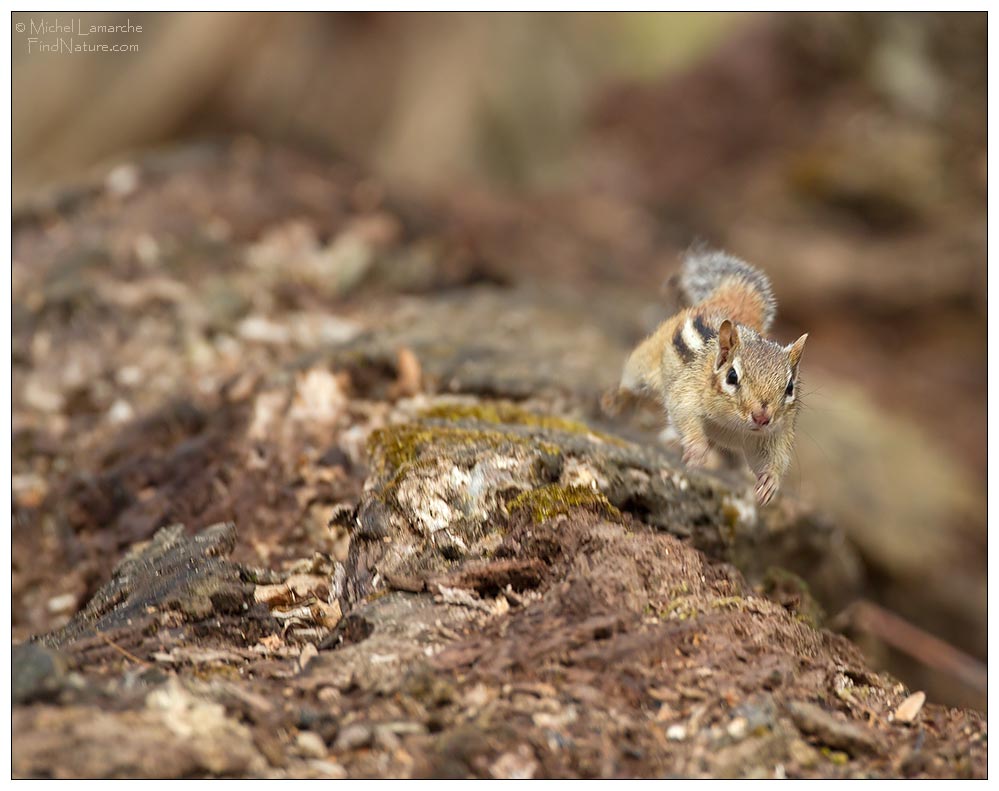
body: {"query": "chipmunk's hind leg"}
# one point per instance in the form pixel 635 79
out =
pixel 618 400
pixel 640 380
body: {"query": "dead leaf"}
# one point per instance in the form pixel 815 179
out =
pixel 309 652
pixel 271 643
pixel 409 379
pixel 909 708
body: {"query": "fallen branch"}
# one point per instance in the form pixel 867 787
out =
pixel 913 641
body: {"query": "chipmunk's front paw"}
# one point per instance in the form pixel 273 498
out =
pixel 766 487
pixel 695 454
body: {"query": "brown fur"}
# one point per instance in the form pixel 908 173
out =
pixel 737 303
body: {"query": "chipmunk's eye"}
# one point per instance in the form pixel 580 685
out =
pixel 790 389
pixel 733 377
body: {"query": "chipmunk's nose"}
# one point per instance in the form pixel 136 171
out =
pixel 761 417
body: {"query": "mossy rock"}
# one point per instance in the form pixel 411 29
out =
pixel 547 502
pixel 506 413
pixel 445 484
pixel 397 446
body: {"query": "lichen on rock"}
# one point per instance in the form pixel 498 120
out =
pixel 447 478
pixel 552 500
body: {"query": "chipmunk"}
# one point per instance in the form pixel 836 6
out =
pixel 720 381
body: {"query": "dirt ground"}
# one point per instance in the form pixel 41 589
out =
pixel 430 556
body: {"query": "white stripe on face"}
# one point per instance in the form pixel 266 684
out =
pixel 691 336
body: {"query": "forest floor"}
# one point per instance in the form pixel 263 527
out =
pixel 406 541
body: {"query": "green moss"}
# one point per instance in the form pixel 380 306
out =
pixel 214 672
pixel 397 446
pixel 727 603
pixel 836 756
pixel 861 693
pixel 403 444
pixel 550 501
pixel 504 413
pixel 398 450
pixel 681 608
pixel 683 589
pixel 731 514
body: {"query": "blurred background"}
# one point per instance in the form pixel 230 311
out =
pixel 581 153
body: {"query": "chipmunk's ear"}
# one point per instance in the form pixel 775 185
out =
pixel 728 341
pixel 795 350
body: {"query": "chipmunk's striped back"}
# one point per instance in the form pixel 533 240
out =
pixel 692 334
pixel 719 283
pixel 715 286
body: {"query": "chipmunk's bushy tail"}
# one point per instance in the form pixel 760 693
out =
pixel 728 286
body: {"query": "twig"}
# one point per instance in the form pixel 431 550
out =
pixel 921 645
pixel 123 652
